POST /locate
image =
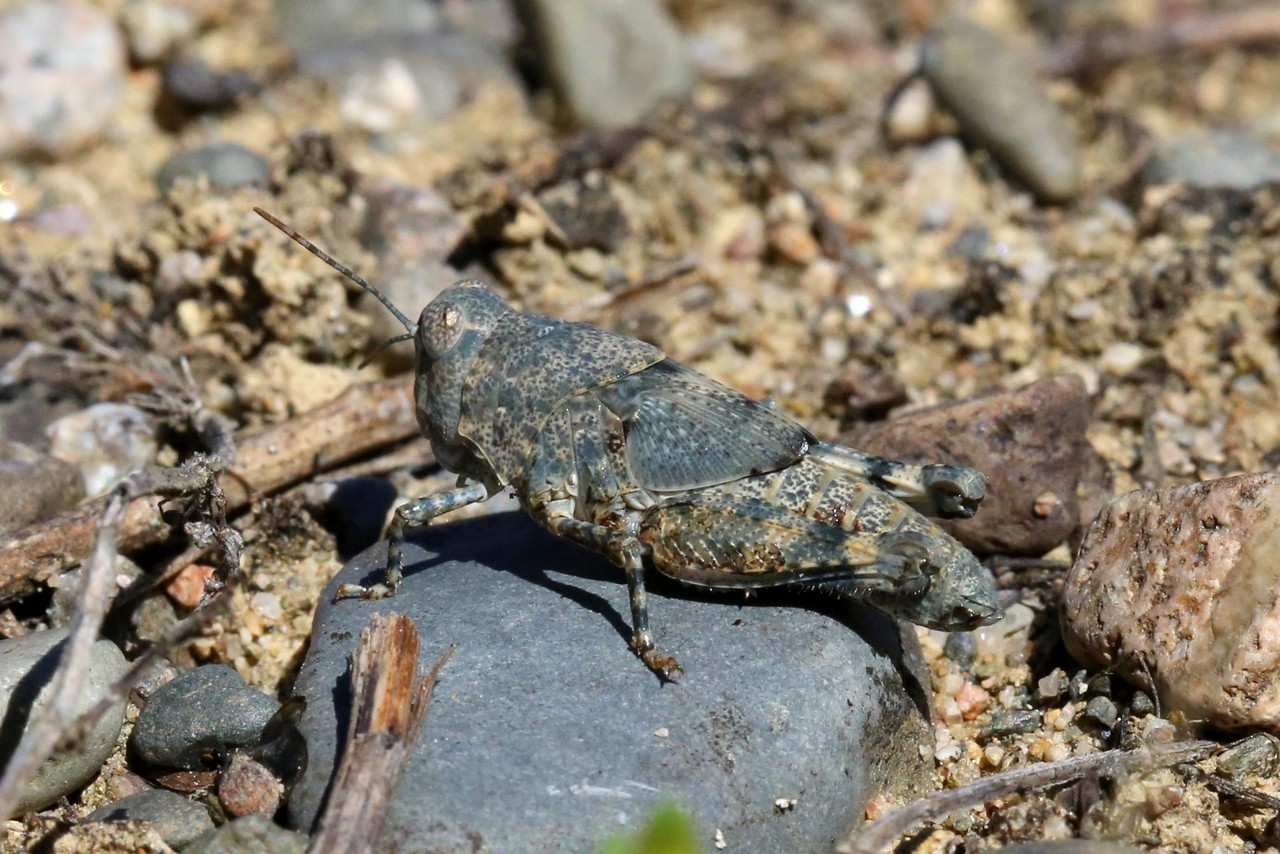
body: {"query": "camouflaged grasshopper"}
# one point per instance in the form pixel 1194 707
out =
pixel 611 444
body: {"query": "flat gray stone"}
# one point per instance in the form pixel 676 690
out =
pixel 178 820
pixel 1226 158
pixel 227 165
pixel 546 732
pixel 27 665
pixel 200 714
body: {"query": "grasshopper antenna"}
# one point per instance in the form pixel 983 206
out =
pixel 346 271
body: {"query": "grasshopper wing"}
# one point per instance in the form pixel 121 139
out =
pixel 685 431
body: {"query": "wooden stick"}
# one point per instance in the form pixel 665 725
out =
pixel 885 832
pixel 390 704
pixel 363 418
pixel 1251 25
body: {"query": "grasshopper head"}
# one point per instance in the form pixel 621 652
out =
pixel 450 334
pixel 945 587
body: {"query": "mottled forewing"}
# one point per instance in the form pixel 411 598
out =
pixel 528 367
pixel 684 431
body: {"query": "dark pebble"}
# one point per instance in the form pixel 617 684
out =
pixel 1102 711
pixel 961 648
pixel 1010 722
pixel 200 716
pixel 197 87
pixel 178 820
pixel 226 165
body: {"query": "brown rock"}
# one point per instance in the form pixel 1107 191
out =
pixel 1031 445
pixel 248 787
pixel 1177 590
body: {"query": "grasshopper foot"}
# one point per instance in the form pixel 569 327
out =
pixel 359 591
pixel 956 491
pixel 664 666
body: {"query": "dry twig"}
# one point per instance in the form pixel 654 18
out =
pixel 391 702
pixel 881 834
pixel 365 417
pixel 1252 25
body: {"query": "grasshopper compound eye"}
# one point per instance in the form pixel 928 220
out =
pixel 439 328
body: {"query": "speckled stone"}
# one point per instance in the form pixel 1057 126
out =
pixel 1002 107
pixel 176 819
pixel 1185 580
pixel 546 733
pixel 27 665
pixel 204 711
pixel 227 165
pixel 1230 158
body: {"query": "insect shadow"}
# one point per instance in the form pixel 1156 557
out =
pixel 513 544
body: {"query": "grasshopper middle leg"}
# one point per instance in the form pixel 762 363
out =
pixel 417 512
pixel 627 551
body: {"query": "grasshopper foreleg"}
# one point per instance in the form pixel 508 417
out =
pixel 420 511
pixel 627 551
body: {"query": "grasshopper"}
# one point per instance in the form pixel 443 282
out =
pixel 611 444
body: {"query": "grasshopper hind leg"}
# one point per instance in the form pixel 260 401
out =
pixel 941 491
pixel 420 511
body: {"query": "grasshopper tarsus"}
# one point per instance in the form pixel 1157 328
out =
pixel 609 443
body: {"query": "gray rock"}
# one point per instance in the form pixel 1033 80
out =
pixel 34 485
pixel 1071 846
pixel 27 665
pixel 609 61
pixel 226 165
pixel 546 729
pixel 1236 159
pixel 178 820
pixel 203 712
pixel 1001 106
pixel 155 29
pixel 193 85
pixel 312 27
pixel 249 835
pixel 62 76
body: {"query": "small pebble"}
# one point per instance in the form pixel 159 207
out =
pixel 933 189
pixel 199 716
pixel 1000 104
pixel 1102 711
pixel 1051 687
pixel 1079 685
pixel 107 442
pixel 27 665
pixel 1225 158
pixel 1010 722
pixel 961 648
pixel 178 820
pixel 155 29
pixel 62 76
pixel 247 787
pixel 1141 705
pixel 197 87
pixel 1256 755
pixel 188 586
pixel 227 165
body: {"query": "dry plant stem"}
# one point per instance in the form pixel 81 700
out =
pixel 390 704
pixel 885 832
pixel 73 665
pixel 365 417
pixel 1252 25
